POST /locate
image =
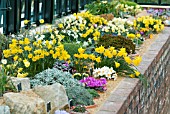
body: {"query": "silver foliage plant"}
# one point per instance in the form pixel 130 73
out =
pixel 51 76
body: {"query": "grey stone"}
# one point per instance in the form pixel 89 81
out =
pixel 25 83
pixel 55 94
pixel 24 103
pixel 4 110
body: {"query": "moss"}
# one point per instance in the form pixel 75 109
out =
pixel 118 42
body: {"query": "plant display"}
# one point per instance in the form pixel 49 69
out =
pixel 117 26
pixel 81 28
pixel 108 17
pixel 75 91
pixel 31 57
pixel 125 8
pixel 51 76
pixel 93 83
pixel 118 8
pixel 147 24
pixel 79 96
pixel 64 66
pixel 118 42
pixel 94 93
pixel 99 7
pixel 107 72
pixel 79 108
pixel 79 76
pixel 5 81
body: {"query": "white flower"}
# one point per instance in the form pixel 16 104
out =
pixel 4 61
pixel 85 44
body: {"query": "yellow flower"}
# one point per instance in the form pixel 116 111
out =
pixel 131 36
pixel 27 48
pixel 137 61
pixel 26 22
pixel 117 65
pixel 150 36
pixel 95 38
pixel 26 41
pixel 100 49
pixel 15 57
pixel 137 73
pixel 128 60
pixel 92 57
pixel 138 35
pixel 98 59
pixel 20 69
pixel 34 59
pixel 41 21
pixel 30 55
pixel 26 63
pixel 81 50
pixel 60 25
pixel 132 76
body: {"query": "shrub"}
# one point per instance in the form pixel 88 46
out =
pixel 93 93
pixel 79 96
pixel 75 91
pixel 118 42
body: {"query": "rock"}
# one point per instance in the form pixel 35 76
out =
pixel 25 83
pixel 20 103
pixel 4 110
pixel 55 94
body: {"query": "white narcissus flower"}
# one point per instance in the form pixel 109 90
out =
pixel 4 61
pixel 105 71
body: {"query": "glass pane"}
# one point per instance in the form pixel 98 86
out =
pixel 32 7
pixel 22 8
pixel 148 1
pixel 165 1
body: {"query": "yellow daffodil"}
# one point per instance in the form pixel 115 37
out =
pixel 81 50
pixel 137 60
pixel 137 73
pixel 26 63
pixel 41 21
pixel 117 65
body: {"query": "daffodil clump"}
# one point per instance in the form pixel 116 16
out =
pixel 28 58
pixel 127 8
pixel 118 26
pixel 110 57
pixel 147 24
pixel 81 28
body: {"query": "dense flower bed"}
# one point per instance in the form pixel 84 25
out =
pixel 73 46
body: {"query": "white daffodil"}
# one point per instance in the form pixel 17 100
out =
pixel 4 61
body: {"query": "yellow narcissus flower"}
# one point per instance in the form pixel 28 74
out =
pixel 30 55
pixel 137 73
pixel 138 35
pixel 128 60
pixel 117 65
pixel 41 21
pixel 60 25
pixel 131 36
pixel 81 50
pixel 95 38
pixel 137 60
pixel 15 57
pixel 100 49
pixel 98 59
pixel 132 76
pixel 26 41
pixel 26 22
pixel 26 63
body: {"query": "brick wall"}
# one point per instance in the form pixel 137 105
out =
pixel 131 97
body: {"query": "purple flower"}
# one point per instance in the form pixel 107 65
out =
pixel 94 83
pixel 141 32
